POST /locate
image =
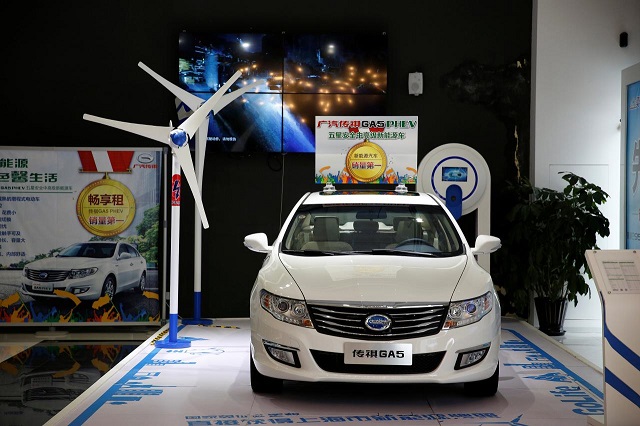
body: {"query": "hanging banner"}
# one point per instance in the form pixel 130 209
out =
pixel 79 235
pixel 374 150
pixel 632 172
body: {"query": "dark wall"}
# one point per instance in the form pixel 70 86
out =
pixel 63 59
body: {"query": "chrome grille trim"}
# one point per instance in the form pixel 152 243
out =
pixel 408 320
pixel 52 276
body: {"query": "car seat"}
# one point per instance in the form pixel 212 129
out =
pixel 407 229
pixel 326 235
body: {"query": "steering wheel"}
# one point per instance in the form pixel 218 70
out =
pixel 414 241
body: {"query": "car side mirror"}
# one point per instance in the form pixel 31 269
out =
pixel 257 242
pixel 486 244
pixel 124 255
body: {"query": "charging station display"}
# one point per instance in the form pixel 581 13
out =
pixel 459 175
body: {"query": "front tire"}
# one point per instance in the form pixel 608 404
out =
pixel 486 387
pixel 109 287
pixel 261 383
pixel 142 284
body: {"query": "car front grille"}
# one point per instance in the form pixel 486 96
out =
pixel 49 394
pixel 46 275
pixel 407 322
pixel 334 363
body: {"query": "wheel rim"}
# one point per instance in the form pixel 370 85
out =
pixel 109 288
pixel 143 283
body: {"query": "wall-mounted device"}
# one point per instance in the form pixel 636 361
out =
pixel 624 39
pixel 459 175
pixel 415 83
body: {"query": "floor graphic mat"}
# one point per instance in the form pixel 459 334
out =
pixel 208 384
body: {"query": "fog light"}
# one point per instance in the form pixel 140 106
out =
pixel 79 290
pixel 282 354
pixel 471 357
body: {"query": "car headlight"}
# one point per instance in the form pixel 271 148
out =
pixel 291 311
pixel 467 312
pixel 81 273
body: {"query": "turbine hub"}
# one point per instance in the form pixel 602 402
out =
pixel 178 137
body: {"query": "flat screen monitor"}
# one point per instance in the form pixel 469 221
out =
pixel 305 75
pixel 454 174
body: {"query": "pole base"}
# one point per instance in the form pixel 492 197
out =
pixel 177 344
pixel 196 321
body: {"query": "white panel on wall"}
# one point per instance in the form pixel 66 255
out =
pixel 576 88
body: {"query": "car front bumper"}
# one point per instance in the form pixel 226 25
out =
pixel 89 288
pixel 306 344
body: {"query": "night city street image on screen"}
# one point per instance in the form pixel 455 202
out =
pixel 305 75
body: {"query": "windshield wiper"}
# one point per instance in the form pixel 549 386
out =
pixel 404 252
pixel 315 252
pixel 393 252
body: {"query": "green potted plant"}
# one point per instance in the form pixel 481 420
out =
pixel 549 234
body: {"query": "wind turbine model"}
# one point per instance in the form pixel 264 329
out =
pixel 178 138
pixel 193 102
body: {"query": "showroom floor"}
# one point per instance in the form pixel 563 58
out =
pixel 208 384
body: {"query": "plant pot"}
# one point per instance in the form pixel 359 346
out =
pixel 551 315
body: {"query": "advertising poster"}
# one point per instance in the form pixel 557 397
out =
pixel 373 150
pixel 633 166
pixel 79 235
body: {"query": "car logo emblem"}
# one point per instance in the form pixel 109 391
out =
pixel 145 158
pixel 42 275
pixel 377 322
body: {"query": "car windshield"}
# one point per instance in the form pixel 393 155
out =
pixel 418 230
pixel 96 250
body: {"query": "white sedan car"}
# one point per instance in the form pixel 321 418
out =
pixel 87 270
pixel 373 287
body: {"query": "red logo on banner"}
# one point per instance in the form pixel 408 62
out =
pixel 175 190
pixel 106 161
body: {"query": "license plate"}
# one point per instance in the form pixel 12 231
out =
pixel 48 287
pixel 38 382
pixel 377 353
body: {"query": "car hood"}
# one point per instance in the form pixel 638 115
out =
pixel 65 263
pixel 375 278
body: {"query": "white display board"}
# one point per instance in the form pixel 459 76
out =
pixel 617 277
pixel 366 150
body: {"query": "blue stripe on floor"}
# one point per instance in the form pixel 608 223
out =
pixel 559 365
pixel 110 394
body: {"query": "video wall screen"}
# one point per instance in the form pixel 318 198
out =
pixel 305 75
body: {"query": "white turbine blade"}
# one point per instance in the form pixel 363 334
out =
pixel 230 97
pixel 191 100
pixel 157 133
pixel 191 124
pixel 201 148
pixel 201 138
pixel 186 164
